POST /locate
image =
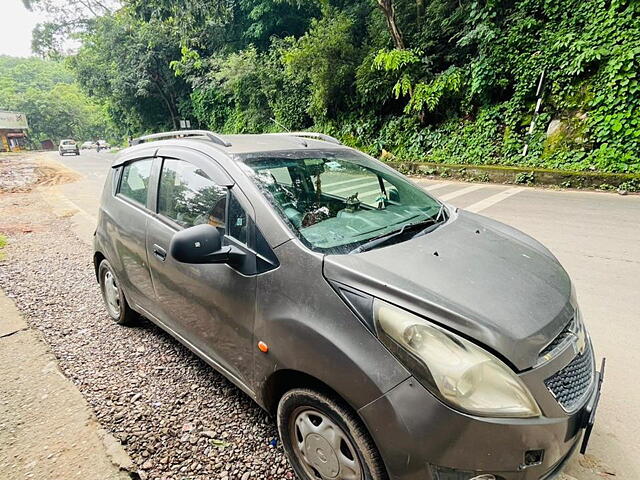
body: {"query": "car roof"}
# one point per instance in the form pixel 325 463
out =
pixel 234 146
pixel 258 143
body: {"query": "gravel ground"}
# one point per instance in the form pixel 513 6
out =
pixel 176 417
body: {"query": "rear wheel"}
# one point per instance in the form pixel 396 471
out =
pixel 325 440
pixel 113 296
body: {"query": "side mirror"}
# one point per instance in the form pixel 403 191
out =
pixel 200 244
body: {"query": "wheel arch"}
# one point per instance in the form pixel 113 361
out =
pixel 97 259
pixel 281 381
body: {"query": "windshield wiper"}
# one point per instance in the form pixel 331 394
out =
pixel 424 226
pixel 437 220
pixel 387 237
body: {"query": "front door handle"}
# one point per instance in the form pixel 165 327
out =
pixel 159 252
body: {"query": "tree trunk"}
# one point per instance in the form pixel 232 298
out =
pixel 389 12
pixel 167 96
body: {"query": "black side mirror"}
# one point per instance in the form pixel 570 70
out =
pixel 201 244
pixel 393 195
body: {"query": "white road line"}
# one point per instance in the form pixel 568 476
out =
pixel 436 186
pixel 459 193
pixel 343 182
pixel 368 183
pixel 493 199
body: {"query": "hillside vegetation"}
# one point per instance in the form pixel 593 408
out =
pixel 47 93
pixel 450 81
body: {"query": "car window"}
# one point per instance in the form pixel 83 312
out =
pixel 135 180
pixel 237 225
pixel 189 197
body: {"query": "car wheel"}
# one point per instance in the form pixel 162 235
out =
pixel 324 439
pixel 113 296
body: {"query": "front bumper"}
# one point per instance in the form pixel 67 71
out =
pixel 418 435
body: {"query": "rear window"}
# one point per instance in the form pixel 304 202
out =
pixel 134 183
pixel 68 142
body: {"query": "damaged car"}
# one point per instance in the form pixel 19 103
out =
pixel 391 335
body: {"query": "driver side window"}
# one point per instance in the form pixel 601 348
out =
pixel 188 196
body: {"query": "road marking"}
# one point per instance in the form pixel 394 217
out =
pixel 436 186
pixel 459 193
pixel 343 182
pixel 369 183
pixel 493 199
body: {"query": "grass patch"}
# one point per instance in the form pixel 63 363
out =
pixel 3 243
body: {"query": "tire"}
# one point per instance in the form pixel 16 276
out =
pixel 323 438
pixel 113 296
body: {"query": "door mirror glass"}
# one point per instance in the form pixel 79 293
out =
pixel 199 244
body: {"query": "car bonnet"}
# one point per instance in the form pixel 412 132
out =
pixel 483 279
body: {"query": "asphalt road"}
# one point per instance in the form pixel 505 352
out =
pixel 596 236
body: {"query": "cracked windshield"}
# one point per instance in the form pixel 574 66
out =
pixel 335 203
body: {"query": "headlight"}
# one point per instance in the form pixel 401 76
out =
pixel 459 372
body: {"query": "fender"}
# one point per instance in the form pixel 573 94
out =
pixel 309 329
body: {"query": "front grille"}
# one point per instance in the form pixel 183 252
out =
pixel 570 385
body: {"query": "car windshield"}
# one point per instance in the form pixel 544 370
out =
pixel 338 201
pixel 68 142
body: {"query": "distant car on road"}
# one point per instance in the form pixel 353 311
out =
pixel 68 146
pixel 87 145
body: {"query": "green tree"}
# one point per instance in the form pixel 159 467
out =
pixel 124 62
pixel 55 106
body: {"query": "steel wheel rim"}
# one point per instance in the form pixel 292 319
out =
pixel 111 293
pixel 322 447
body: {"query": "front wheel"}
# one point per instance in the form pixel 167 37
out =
pixel 324 439
pixel 113 296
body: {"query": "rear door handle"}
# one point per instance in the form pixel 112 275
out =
pixel 159 252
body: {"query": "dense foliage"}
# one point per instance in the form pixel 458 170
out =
pixel 449 81
pixel 55 106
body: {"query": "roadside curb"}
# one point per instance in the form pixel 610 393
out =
pixel 522 176
pixel 32 384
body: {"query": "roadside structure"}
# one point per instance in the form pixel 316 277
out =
pixel 13 131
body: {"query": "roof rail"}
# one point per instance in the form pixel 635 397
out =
pixel 214 137
pixel 316 135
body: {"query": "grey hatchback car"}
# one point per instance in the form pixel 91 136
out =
pixel 391 335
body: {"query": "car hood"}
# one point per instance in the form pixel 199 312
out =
pixel 481 278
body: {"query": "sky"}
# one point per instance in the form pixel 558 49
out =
pixel 15 28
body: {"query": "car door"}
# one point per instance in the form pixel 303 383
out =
pixel 125 221
pixel 210 307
